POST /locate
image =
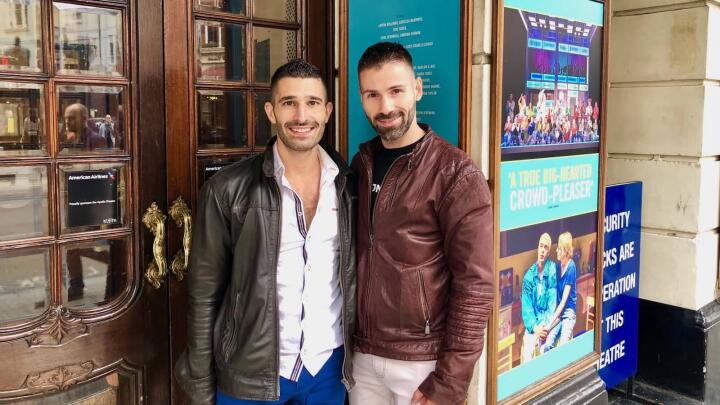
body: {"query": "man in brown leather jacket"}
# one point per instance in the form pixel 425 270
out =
pixel 424 248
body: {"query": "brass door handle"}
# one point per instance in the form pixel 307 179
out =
pixel 154 220
pixel 180 212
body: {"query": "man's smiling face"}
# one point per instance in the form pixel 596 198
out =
pixel 299 111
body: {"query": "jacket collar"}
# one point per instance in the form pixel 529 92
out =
pixel 269 159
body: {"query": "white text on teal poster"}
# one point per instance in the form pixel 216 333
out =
pixel 541 190
pixel 430 31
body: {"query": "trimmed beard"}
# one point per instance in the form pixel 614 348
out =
pixel 393 134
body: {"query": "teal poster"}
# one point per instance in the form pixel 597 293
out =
pixel 549 182
pixel 540 190
pixel 430 30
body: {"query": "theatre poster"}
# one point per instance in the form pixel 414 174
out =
pixel 548 187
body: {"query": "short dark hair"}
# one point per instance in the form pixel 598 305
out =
pixel 381 53
pixel 297 68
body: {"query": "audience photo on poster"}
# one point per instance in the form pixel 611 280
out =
pixel 552 79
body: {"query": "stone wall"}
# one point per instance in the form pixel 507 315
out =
pixel 662 128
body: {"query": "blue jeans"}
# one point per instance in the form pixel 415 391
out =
pixel 563 332
pixel 325 388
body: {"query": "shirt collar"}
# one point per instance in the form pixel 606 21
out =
pixel 536 270
pixel 328 167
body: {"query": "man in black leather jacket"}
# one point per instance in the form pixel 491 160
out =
pixel 272 269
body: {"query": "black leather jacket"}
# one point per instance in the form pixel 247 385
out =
pixel 233 329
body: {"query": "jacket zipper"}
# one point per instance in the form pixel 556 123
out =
pixel 277 307
pixel 230 331
pixel 372 234
pixel 341 222
pixel 424 302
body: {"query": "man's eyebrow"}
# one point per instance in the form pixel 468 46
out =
pixel 393 87
pixel 290 98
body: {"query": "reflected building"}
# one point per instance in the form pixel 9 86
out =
pixel 20 39
pixel 88 40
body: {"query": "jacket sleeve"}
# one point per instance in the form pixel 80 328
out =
pixel 528 309
pixel 466 221
pixel 208 274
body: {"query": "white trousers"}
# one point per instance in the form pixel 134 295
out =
pixel 381 381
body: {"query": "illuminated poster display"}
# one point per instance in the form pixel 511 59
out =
pixel 430 30
pixel 548 186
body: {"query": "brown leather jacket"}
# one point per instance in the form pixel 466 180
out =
pixel 424 271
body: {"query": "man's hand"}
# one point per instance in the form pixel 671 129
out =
pixel 541 331
pixel 419 398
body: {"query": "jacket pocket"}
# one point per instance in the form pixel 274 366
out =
pixel 228 341
pixel 424 304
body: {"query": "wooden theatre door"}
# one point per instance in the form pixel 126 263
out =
pixel 83 300
pixel 112 114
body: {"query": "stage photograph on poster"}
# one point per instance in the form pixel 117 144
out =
pixel 552 78
pixel 547 299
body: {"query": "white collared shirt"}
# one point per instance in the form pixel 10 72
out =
pixel 308 280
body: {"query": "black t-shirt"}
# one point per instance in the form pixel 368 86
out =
pixel 384 158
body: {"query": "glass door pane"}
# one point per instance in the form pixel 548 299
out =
pixel 20 36
pixel 88 40
pixel 263 129
pixel 22 119
pixel 23 202
pixel 94 273
pixel 92 196
pixel 91 119
pixel 228 6
pixel 282 10
pixel 222 119
pixel 220 51
pixel 273 48
pixel 24 283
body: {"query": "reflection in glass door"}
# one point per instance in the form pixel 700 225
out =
pixel 238 45
pixel 69 278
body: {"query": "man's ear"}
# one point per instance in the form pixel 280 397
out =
pixel 270 112
pixel 329 110
pixel 418 88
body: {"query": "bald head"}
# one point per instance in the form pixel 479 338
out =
pixel 74 117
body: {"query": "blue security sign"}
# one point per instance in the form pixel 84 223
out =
pixel 621 277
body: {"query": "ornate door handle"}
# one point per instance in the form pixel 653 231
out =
pixel 180 212
pixel 154 220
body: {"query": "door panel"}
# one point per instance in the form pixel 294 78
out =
pixel 87 145
pixel 80 133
